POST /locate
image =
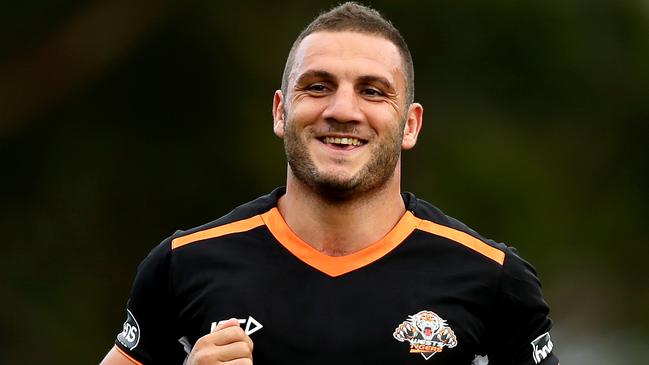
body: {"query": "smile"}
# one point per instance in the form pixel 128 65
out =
pixel 342 141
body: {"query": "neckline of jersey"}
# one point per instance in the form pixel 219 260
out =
pixel 338 265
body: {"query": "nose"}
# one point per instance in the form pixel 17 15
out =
pixel 344 105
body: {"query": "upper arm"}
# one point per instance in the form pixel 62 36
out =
pixel 149 334
pixel 521 327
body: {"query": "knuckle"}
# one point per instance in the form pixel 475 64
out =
pixel 243 362
pixel 233 331
pixel 243 347
pixel 239 331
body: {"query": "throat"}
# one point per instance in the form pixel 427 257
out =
pixel 339 228
pixel 337 251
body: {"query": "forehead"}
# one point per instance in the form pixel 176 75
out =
pixel 348 53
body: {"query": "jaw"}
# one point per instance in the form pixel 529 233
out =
pixel 337 172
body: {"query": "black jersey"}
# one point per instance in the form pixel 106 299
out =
pixel 432 291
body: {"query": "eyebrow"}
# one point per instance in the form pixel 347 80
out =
pixel 371 79
pixel 365 79
pixel 314 74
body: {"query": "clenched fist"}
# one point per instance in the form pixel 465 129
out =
pixel 227 344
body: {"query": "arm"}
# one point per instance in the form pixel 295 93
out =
pixel 149 334
pixel 521 326
pixel 227 343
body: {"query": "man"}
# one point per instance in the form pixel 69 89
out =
pixel 338 267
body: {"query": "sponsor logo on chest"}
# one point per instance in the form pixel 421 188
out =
pixel 250 325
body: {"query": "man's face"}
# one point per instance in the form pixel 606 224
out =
pixel 343 116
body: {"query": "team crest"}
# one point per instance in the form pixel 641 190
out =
pixel 427 334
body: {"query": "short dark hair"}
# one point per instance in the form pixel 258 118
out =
pixel 355 17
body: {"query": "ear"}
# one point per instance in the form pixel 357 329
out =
pixel 413 126
pixel 278 114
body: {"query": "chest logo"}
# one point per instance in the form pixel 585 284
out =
pixel 250 325
pixel 427 334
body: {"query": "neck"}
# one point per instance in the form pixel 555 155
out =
pixel 339 228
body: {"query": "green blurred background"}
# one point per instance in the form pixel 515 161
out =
pixel 122 121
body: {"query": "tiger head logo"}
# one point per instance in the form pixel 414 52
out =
pixel 427 334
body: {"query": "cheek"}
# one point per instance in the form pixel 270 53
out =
pixel 306 110
pixel 384 117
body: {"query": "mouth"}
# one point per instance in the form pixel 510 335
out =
pixel 428 331
pixel 343 143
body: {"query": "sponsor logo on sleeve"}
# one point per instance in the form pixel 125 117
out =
pixel 130 335
pixel 427 334
pixel 541 347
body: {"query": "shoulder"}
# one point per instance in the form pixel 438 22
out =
pixel 240 219
pixel 519 316
pixel 435 222
pixel 426 211
pixel 517 273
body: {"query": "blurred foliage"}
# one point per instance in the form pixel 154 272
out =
pixel 121 121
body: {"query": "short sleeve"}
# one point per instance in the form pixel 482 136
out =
pixel 520 329
pixel 149 334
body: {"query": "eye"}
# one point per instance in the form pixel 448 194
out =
pixel 371 92
pixel 318 88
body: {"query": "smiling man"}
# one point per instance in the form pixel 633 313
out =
pixel 339 266
pixel 344 115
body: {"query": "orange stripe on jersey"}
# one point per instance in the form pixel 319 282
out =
pixel 464 239
pixel 234 227
pixel 338 265
pixel 128 356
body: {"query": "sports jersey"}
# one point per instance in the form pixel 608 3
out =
pixel 432 291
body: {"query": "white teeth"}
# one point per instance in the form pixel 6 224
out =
pixel 344 140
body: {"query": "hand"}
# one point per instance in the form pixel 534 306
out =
pixel 227 344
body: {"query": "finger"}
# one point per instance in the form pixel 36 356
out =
pixel 208 353
pixel 225 333
pixel 225 324
pixel 238 362
pixel 226 336
pixel 249 342
pixel 237 353
pixel 234 351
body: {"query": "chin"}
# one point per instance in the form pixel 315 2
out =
pixel 339 184
pixel 336 189
pixel 331 187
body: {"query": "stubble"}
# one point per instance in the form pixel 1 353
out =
pixel 336 188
